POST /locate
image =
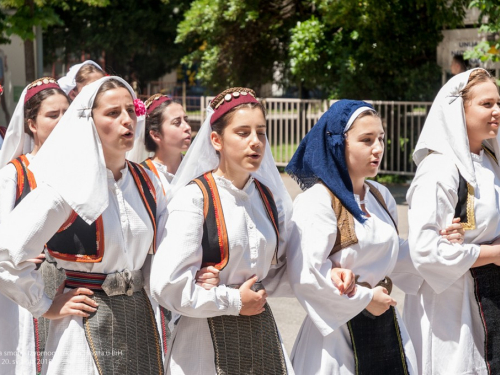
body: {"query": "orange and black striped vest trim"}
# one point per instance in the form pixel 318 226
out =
pixel 77 241
pixel 148 164
pixel 25 178
pixel 215 241
pixel 3 131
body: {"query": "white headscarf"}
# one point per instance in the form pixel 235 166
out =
pixel 68 82
pixel 139 153
pixel 72 161
pixel 16 142
pixel 202 157
pixel 445 130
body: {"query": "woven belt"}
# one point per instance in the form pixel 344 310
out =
pixel 113 284
pixel 386 283
pixel 255 287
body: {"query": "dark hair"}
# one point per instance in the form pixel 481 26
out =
pixel 476 77
pixel 459 59
pixel 85 71
pixel 110 84
pixel 32 106
pixel 221 123
pixel 153 122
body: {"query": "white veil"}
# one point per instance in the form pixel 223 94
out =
pixel 201 158
pixel 68 82
pixel 72 161
pixel 16 142
pixel 139 153
pixel 445 130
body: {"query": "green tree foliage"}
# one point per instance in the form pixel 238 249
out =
pixel 487 50
pixel 20 17
pixel 372 49
pixel 135 37
pixel 237 43
pixel 378 49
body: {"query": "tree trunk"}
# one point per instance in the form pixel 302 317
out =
pixel 29 60
pixel 29 51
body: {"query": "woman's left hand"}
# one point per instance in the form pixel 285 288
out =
pixel 454 233
pixel 38 260
pixel 207 277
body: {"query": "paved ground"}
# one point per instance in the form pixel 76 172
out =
pixel 288 312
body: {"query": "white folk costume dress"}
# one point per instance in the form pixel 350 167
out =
pixel 23 338
pixel 444 318
pixel 125 236
pixel 251 242
pixel 323 345
pixel 17 341
pixel 326 343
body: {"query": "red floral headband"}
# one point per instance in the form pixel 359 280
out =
pixel 229 99
pixel 39 85
pixel 154 101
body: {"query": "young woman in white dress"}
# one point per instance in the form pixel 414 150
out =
pixel 167 135
pixel 452 318
pixel 115 210
pixel 40 108
pixel 237 201
pixel 342 220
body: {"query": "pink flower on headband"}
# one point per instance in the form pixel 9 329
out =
pixel 140 108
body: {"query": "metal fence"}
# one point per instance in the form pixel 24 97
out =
pixel 289 120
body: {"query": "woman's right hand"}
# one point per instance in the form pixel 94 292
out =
pixel 252 303
pixel 345 281
pixel 381 301
pixel 73 302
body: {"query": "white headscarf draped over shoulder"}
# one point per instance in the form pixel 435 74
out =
pixel 445 129
pixel 16 142
pixel 68 82
pixel 72 161
pixel 201 158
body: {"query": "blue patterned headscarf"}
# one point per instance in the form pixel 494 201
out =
pixel 321 155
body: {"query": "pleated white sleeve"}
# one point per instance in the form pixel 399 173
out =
pixel 309 263
pixel 432 199
pixel 405 276
pixel 161 220
pixel 277 282
pixel 8 187
pixel 23 234
pixel 179 257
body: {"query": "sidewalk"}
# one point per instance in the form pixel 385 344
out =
pixel 288 312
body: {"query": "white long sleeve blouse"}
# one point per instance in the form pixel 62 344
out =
pixel 128 235
pixel 323 344
pixel 443 318
pixel 252 243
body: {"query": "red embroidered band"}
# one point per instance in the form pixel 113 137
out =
pixel 154 101
pixel 39 85
pixel 229 99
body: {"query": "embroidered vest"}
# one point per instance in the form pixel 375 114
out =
pixel 77 241
pixel 465 205
pixel 25 178
pixel 148 164
pixel 215 241
pixel 346 235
